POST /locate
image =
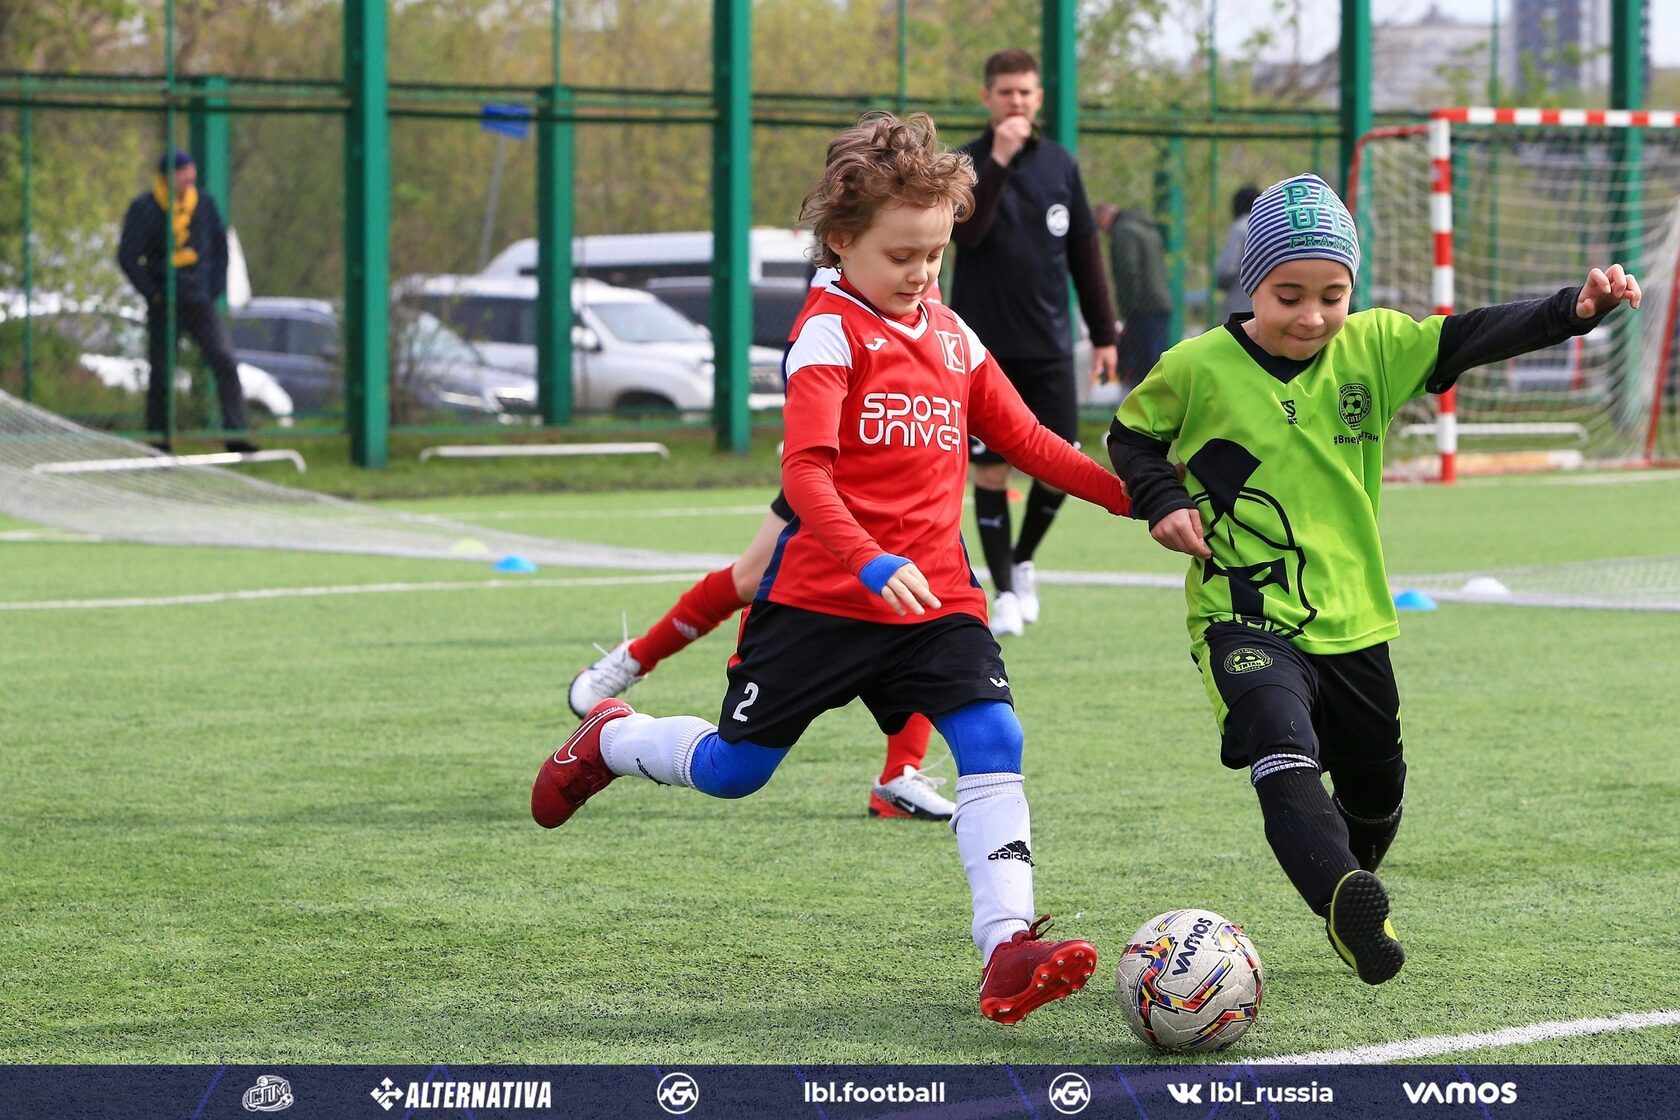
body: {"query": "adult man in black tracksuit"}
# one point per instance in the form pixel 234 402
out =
pixel 1031 229
pixel 196 236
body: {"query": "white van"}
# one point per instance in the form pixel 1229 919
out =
pixel 632 259
pixel 631 352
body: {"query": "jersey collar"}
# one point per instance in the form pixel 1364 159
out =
pixel 842 289
pixel 1284 369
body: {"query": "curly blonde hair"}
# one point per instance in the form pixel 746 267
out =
pixel 883 161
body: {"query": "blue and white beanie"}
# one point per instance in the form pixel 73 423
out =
pixel 1297 219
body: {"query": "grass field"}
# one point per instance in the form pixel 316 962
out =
pixel 296 828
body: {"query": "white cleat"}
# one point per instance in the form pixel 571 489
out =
pixel 612 675
pixel 911 794
pixel 1006 616
pixel 1026 591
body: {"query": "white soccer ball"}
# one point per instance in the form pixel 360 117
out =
pixel 1189 981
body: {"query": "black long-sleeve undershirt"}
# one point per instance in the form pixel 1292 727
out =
pixel 990 177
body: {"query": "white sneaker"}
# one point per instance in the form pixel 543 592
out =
pixel 1026 591
pixel 911 794
pixel 612 675
pixel 1006 615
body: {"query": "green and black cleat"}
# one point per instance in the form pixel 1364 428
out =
pixel 1359 929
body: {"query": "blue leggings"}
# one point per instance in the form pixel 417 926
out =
pixel 985 738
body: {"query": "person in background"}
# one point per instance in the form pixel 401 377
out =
pixel 1138 262
pixel 193 232
pixel 1031 230
pixel 1225 268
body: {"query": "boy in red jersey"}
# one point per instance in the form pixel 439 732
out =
pixel 869 593
pixel 903 791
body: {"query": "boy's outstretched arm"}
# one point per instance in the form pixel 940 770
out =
pixel 1157 492
pixel 1504 330
pixel 1604 290
pixel 1006 425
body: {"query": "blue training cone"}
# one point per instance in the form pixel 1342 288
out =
pixel 1414 601
pixel 515 564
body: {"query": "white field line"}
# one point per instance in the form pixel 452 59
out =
pixel 758 510
pixel 348 589
pixel 1158 580
pixel 1108 579
pixel 55 536
pixel 1414 1049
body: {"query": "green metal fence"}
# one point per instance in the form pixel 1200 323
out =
pixel 358 131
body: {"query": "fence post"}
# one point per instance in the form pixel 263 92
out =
pixel 731 220
pixel 367 238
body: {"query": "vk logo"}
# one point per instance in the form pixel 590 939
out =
pixel 1185 1094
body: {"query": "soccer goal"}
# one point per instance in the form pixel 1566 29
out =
pixel 1483 206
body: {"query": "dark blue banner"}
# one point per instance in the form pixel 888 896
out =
pixel 1167 1092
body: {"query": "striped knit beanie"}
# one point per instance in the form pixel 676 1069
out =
pixel 1297 219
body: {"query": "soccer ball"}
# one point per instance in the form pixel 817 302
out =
pixel 1189 981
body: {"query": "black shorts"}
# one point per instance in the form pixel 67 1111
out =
pixel 1333 706
pixel 1049 390
pixel 793 665
pixel 779 506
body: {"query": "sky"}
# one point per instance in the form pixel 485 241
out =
pixel 1321 19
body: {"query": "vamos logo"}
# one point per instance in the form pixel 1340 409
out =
pixel 1461 1092
pixel 464 1094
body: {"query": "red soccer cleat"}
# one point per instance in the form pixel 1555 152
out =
pixel 575 772
pixel 1026 972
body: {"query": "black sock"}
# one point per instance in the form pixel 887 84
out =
pixel 1368 796
pixel 1042 506
pixel 1307 835
pixel 1369 838
pixel 991 514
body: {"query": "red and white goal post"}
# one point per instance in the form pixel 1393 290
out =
pixel 1485 205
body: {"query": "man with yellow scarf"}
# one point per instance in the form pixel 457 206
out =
pixel 194 233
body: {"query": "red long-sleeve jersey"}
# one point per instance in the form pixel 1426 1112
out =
pixel 875 459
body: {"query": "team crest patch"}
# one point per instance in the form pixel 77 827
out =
pixel 1355 404
pixel 1056 220
pixel 1247 660
pixel 951 343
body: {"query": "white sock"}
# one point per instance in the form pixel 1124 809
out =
pixel 659 749
pixel 994 839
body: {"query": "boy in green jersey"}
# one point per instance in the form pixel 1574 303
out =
pixel 1279 419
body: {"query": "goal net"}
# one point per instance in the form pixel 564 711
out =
pixel 208 505
pixel 1485 206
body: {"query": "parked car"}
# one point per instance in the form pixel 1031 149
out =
pixel 632 259
pixel 776 302
pixel 433 366
pixel 631 352
pixel 112 343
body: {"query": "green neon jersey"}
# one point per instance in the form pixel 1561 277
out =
pixel 1284 461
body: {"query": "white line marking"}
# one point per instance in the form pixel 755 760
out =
pixel 57 536
pixel 348 589
pixel 615 514
pixel 1414 1049
pixel 1612 479
pixel 1109 579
